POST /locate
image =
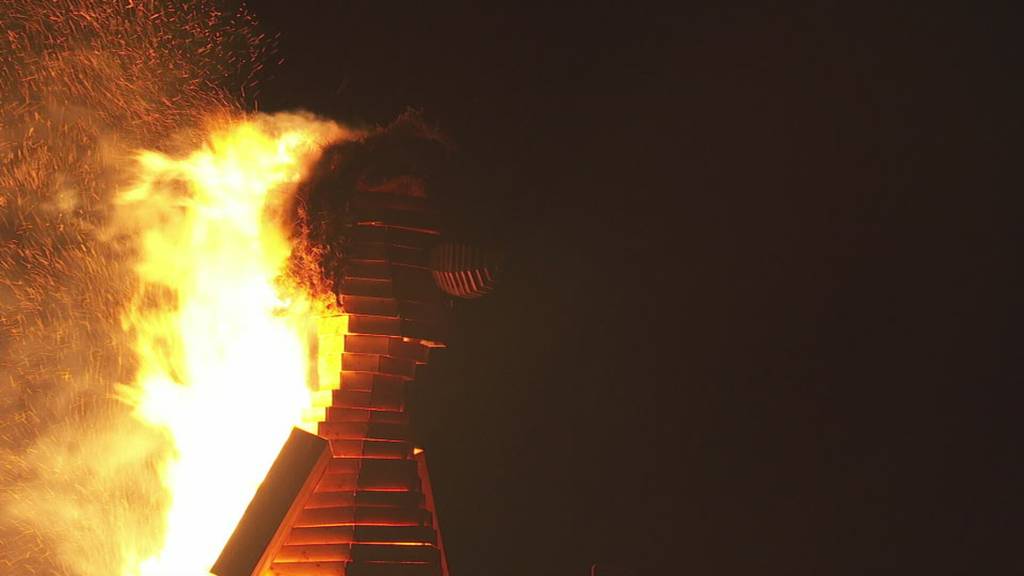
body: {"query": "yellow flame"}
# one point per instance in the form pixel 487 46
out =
pixel 222 341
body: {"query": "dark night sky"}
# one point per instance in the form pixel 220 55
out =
pixel 760 313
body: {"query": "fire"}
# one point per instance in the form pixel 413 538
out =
pixel 221 334
pixel 99 477
pixel 82 84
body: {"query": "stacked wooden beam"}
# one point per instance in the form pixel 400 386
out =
pixel 371 513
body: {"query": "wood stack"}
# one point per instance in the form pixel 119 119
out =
pixel 372 514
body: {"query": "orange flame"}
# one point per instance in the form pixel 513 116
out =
pixel 222 340
pixel 89 485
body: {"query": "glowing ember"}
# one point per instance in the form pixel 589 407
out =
pixel 222 340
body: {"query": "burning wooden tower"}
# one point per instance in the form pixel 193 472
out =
pixel 356 500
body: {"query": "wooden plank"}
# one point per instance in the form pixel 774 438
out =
pixel 428 491
pixel 345 465
pixel 375 306
pixel 369 400
pixel 386 252
pixel 372 269
pixel 391 569
pixel 351 482
pixel 338 483
pixel 366 499
pixel 366 287
pixel 352 465
pixel 363 430
pixel 346 516
pixel 308 569
pixel 394 553
pixel 368 480
pixel 389 365
pixel 426 331
pixel 371 449
pixel 368 343
pixel 279 499
pixel 367 251
pixel 422 222
pixel 378 399
pixel 381 325
pixel 314 553
pixel 370 382
pixel 374 233
pixel 339 516
pixel 432 312
pixel 335 414
pixel 406 256
pixel 414 284
pixel 409 349
pixel 397 534
pixel 322 535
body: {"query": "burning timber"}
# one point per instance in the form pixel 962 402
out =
pixel 278 500
pixel 367 508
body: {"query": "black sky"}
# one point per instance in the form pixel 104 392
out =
pixel 760 315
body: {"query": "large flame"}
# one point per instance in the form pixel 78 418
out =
pixel 91 485
pixel 222 335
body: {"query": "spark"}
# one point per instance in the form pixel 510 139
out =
pixel 83 83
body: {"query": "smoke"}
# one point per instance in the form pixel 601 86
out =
pixel 407 150
pixel 82 84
